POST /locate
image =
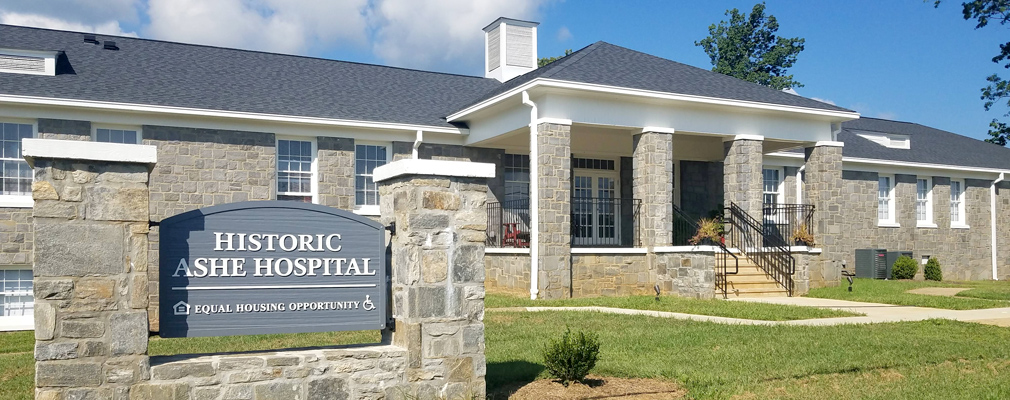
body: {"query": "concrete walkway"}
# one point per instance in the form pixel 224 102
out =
pixel 937 291
pixel 874 313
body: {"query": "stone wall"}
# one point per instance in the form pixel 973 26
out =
pixel 90 223
pixel 507 273
pixel 824 188
pixel 496 185
pixel 964 254
pixel 17 239
pixel 554 193
pixel 63 129
pixel 336 172
pixel 1003 233
pixel 373 372
pixel 690 275
pixel 653 185
pixel 742 175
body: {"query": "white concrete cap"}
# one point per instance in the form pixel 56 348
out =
pixel 828 143
pixel 463 169
pixel 91 151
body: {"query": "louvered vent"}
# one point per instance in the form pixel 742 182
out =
pixel 519 46
pixel 493 49
pixel 22 64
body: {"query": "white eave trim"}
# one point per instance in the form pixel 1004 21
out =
pixel 105 105
pixel 649 94
pixel 91 151
pixel 871 161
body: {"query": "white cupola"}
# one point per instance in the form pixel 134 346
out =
pixel 510 48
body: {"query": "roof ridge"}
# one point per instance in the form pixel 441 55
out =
pixel 570 59
pixel 244 50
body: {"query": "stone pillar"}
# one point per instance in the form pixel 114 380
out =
pixel 823 189
pixel 653 184
pixel 438 271
pixel 91 288
pixel 742 173
pixel 553 192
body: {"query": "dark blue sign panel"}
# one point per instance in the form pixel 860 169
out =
pixel 271 267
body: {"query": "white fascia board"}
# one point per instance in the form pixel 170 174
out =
pixel 91 151
pixel 905 164
pixel 649 94
pixel 105 105
pixel 744 137
pixel 556 121
pixel 658 129
pixel 462 169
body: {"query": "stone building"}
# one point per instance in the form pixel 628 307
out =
pixel 606 159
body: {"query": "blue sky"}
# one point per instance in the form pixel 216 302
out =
pixel 901 60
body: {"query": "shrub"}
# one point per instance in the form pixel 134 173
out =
pixel 802 235
pixel 932 270
pixel 572 357
pixel 904 268
pixel 709 229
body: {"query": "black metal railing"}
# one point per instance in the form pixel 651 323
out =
pixel 605 222
pixel 770 252
pixel 684 229
pixel 792 223
pixel 508 224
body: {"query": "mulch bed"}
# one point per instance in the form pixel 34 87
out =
pixel 596 387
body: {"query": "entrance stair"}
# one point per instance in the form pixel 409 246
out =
pixel 750 280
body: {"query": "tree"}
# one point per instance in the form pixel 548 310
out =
pixel 998 90
pixel 547 60
pixel 746 47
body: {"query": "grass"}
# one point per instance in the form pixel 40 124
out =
pixel 715 307
pixel 937 358
pixel 894 292
pixel 17 365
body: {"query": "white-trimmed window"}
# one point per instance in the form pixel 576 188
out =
pixel 116 134
pixel 17 297
pixel 296 170
pixel 924 203
pixel 958 219
pixel 772 188
pixel 885 200
pixel 368 156
pixel 517 177
pixel 16 182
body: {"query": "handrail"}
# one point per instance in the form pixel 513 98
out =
pixel 770 252
pixel 508 224
pixel 605 222
pixel 684 226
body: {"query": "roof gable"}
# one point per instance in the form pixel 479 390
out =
pixel 928 145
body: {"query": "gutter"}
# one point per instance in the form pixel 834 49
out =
pixel 992 223
pixel 417 143
pixel 799 183
pixel 534 200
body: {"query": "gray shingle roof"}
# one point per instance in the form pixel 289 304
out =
pixel 928 145
pixel 607 64
pixel 183 75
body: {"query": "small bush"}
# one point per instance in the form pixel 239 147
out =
pixel 904 268
pixel 571 358
pixel 932 270
pixel 709 229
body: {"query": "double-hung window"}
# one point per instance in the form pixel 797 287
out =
pixel 366 192
pixel 17 297
pixel 16 183
pixel 772 185
pixel 296 170
pixel 117 135
pixel 924 203
pixel 885 201
pixel 958 219
pixel 517 178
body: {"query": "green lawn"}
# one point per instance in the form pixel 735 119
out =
pixel 985 294
pixel 935 359
pixel 716 307
pixel 17 365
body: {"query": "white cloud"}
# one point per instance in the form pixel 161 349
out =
pixel 439 34
pixel 887 115
pixel 286 26
pixel 84 12
pixel 42 21
pixel 564 34
pixel 823 100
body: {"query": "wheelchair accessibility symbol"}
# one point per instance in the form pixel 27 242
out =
pixel 367 304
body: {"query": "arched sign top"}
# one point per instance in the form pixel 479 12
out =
pixel 271 267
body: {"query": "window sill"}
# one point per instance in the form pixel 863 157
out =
pixel 960 227
pixel 371 211
pixel 888 225
pixel 14 201
pixel 925 225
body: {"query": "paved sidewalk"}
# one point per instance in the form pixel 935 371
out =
pixel 875 313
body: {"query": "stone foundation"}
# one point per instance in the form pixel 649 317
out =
pixel 507 273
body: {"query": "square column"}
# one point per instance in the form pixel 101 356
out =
pixel 652 182
pixel 551 173
pixel 823 189
pixel 742 173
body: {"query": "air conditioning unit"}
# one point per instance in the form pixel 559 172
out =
pixel 872 263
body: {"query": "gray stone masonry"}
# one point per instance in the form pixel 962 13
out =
pixel 200 168
pixel 653 184
pixel 448 152
pixel 554 183
pixel 63 129
pixel 742 175
pixel 17 239
pixel 438 280
pixel 335 157
pixel 91 224
pixel 507 273
pixel 1003 231
pixel 824 190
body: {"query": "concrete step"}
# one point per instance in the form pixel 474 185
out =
pixel 755 293
pixel 759 277
pixel 765 285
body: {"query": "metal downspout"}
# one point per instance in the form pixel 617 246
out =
pixel 534 200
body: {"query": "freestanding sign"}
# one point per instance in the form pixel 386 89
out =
pixel 271 267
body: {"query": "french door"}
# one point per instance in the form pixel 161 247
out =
pixel 595 209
